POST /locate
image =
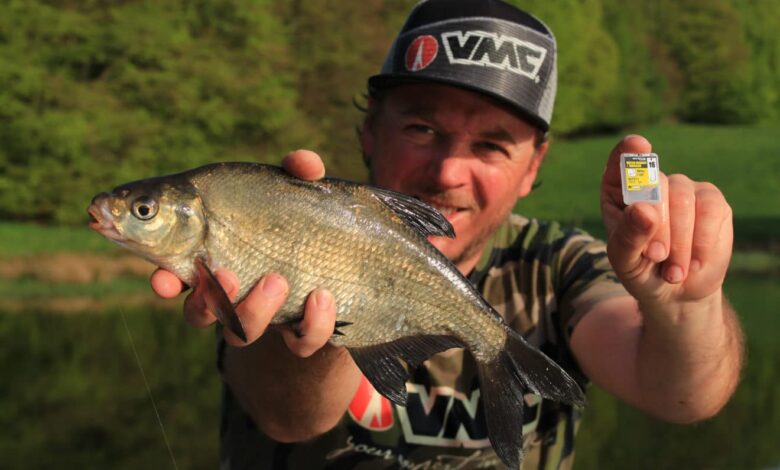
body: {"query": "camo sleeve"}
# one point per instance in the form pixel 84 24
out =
pixel 584 278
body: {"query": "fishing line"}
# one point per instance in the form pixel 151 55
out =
pixel 148 389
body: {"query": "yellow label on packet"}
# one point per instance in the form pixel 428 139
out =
pixel 640 175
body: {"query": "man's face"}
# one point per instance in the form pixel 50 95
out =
pixel 457 150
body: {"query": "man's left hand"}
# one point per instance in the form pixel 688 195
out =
pixel 676 251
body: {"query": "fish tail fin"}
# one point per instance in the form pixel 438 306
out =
pixel 517 369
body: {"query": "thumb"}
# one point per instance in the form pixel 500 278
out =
pixel 628 241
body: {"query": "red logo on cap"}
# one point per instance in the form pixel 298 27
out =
pixel 421 53
pixel 370 409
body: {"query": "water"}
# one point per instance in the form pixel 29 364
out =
pixel 72 396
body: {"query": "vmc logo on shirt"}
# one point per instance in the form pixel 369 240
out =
pixel 437 415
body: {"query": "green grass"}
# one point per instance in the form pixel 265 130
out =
pixel 744 162
pixel 26 288
pixel 20 239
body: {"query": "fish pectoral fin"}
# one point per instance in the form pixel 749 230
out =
pixel 415 213
pixel 217 300
pixel 340 324
pixel 382 366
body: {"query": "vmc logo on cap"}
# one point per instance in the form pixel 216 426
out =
pixel 494 50
pixel 421 52
pixel 485 46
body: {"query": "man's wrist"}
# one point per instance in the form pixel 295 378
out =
pixel 677 312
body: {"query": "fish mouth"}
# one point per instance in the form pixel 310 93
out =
pixel 100 221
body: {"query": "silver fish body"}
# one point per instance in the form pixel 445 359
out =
pixel 398 298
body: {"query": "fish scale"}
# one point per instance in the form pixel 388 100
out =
pixel 399 300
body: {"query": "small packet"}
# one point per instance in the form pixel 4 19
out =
pixel 639 173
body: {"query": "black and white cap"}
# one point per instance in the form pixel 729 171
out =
pixel 487 46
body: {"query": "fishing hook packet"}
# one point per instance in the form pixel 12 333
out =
pixel 640 176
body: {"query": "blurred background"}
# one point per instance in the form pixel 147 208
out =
pixel 94 93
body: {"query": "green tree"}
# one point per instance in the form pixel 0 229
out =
pixel 708 44
pixel 97 93
pixel 587 62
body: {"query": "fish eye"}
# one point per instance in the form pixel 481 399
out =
pixel 144 208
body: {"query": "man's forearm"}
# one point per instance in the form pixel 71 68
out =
pixel 291 399
pixel 688 359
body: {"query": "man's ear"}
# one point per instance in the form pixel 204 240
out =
pixel 367 139
pixel 533 168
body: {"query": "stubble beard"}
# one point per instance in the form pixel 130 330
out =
pixel 475 247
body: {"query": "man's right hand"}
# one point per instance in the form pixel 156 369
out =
pixel 265 299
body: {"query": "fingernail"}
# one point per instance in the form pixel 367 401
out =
pixel 656 251
pixel 695 265
pixel 322 299
pixel 273 286
pixel 674 274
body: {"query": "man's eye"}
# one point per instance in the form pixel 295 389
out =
pixel 491 147
pixel 420 129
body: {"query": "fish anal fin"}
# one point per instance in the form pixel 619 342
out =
pixel 217 300
pixel 415 213
pixel 382 366
pixel 385 372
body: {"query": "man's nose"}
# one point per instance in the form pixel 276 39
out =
pixel 452 166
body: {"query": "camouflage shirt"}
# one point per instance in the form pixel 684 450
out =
pixel 541 279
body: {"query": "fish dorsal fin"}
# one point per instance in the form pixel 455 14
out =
pixel 382 366
pixel 415 213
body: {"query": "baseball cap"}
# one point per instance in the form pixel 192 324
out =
pixel 487 46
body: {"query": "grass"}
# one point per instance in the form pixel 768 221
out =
pixel 21 239
pixel 744 162
pixel 27 288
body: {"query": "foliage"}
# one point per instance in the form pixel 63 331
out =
pixel 707 42
pixel 95 93
pixel 99 93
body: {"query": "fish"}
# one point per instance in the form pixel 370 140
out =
pixel 399 300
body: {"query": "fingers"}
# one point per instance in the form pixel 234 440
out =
pixel 317 325
pixel 712 233
pixel 682 217
pixel 195 311
pixel 696 228
pixel 658 249
pixel 257 310
pixel 628 243
pixel 259 307
pixel 304 164
pixel 166 284
pixel 611 186
pixel 630 144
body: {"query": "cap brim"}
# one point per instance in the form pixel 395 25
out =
pixel 385 81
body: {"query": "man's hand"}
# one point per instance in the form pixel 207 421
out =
pixel 673 349
pixel 674 252
pixel 265 299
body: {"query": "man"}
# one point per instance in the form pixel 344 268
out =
pixel 458 118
